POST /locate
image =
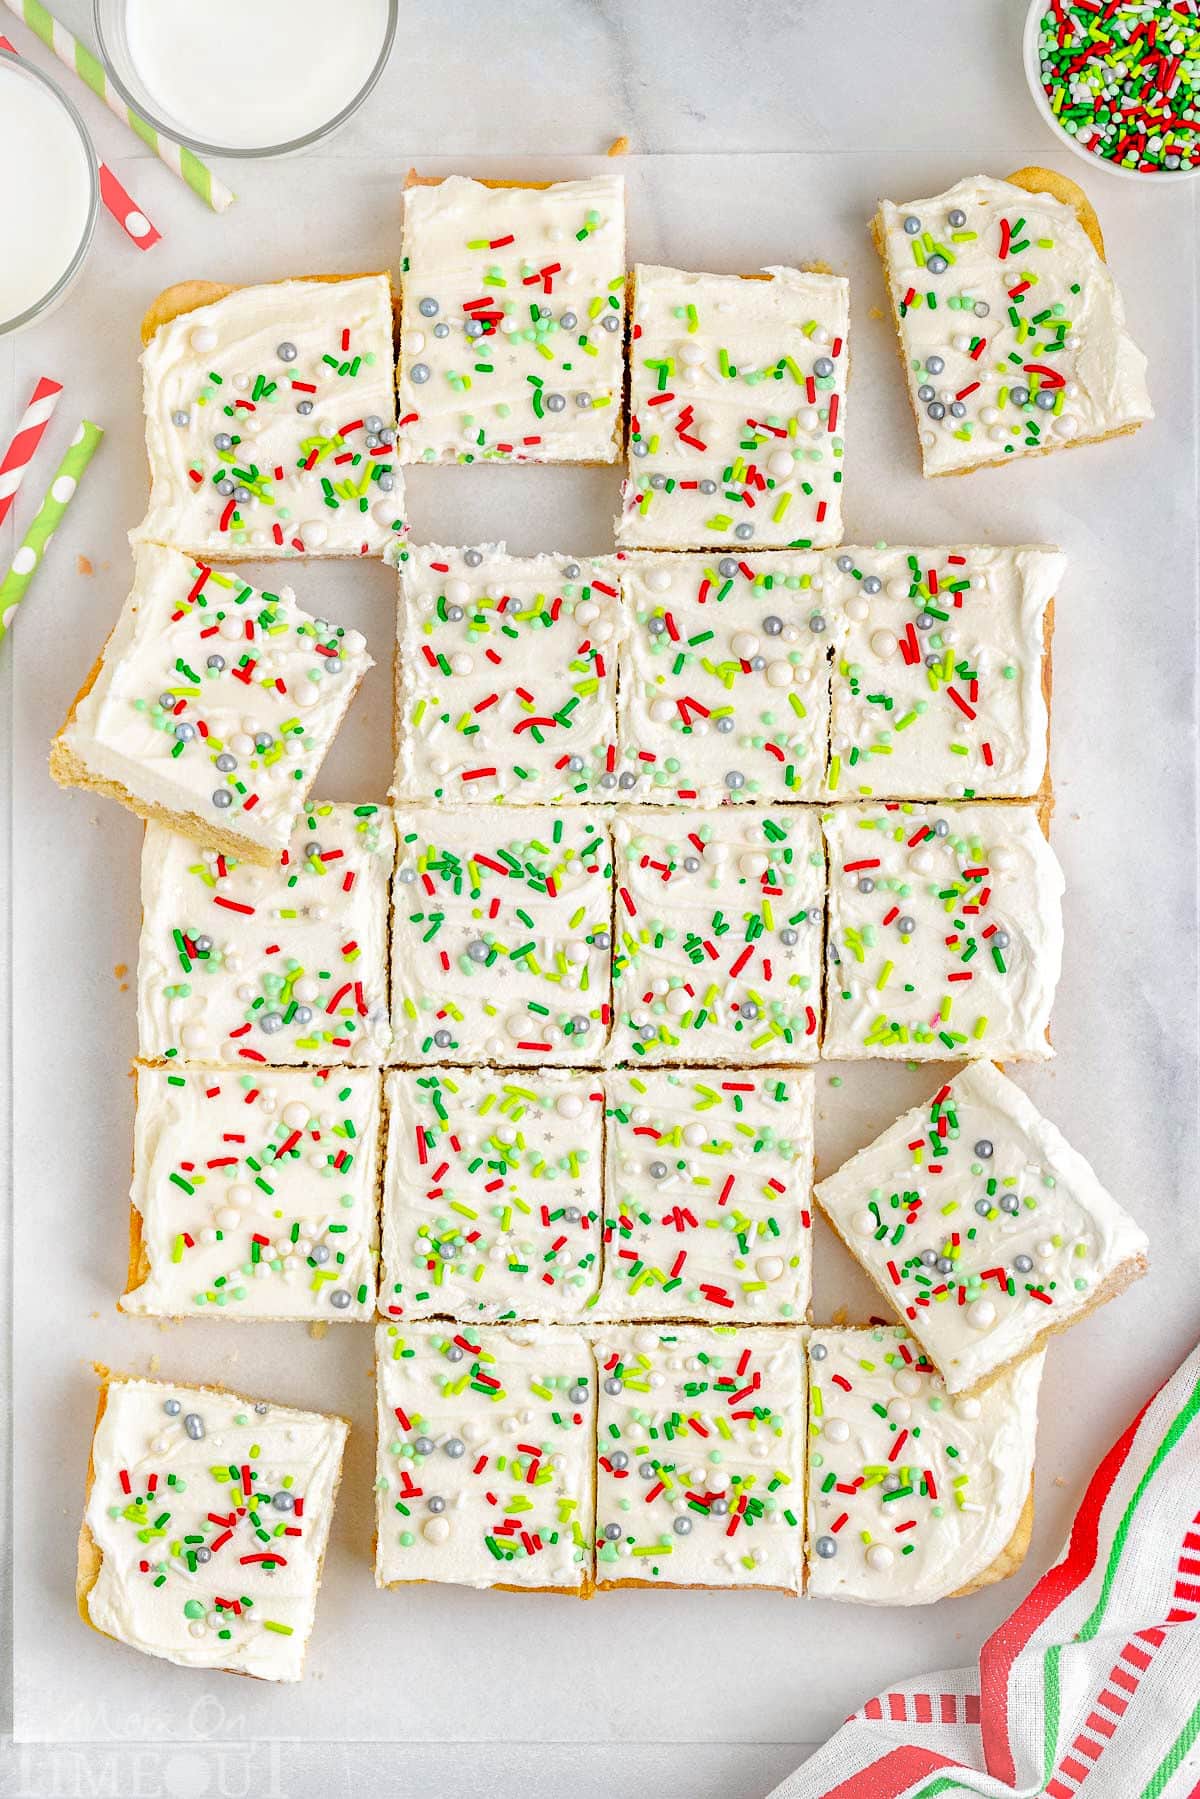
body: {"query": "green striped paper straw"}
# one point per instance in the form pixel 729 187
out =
pixel 46 520
pixel 89 68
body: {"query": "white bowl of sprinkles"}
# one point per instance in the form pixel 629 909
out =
pixel 1158 51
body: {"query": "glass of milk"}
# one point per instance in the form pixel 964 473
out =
pixel 48 197
pixel 228 78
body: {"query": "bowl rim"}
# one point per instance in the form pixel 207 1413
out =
pixel 1031 64
pixel 54 293
pixel 199 146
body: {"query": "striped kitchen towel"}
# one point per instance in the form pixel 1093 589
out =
pixel 1092 1687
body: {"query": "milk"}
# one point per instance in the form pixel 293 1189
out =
pixel 247 76
pixel 45 191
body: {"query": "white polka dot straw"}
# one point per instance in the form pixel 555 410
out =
pixel 46 519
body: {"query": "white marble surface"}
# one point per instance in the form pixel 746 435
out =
pixel 763 133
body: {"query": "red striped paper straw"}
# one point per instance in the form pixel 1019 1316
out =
pixel 116 199
pixel 28 436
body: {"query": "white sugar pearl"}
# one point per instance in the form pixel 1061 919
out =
pixel 203 338
pixel 716 852
pixel 967 1408
pixel 679 1001
pixel 436 1529
pixel 193 1036
pixel 295 1115
pixel 753 864
pixel 981 1314
pixel 690 354
pixel 228 1219
pixel 586 612
pixel 921 861
pixel 884 644
pixel 879 1558
pixel 1002 859
pixel 462 664
pixel 458 591
pixel 780 463
pixel 576 951
pixel 907 1381
pixel 305 990
pixel 313 533
pixel 568 1105
pixel 900 1410
pixel 857 609
pixel 658 580
pixel 769 1268
pixel 864 1223
pixel 836 1430
pixel 779 674
pixel 744 644
pixel 662 711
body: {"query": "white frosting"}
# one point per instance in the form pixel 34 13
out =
pixel 941 944
pixel 497 1426
pixel 200 666
pixel 506 676
pixel 256 1193
pixel 228 1608
pixel 707 1196
pixel 969 1208
pixel 725 684
pixel 1069 339
pixel 737 396
pixel 960 1470
pixel 247 965
pixel 937 684
pixel 701 1456
pixel 717 951
pixel 348 497
pixel 501 936
pixel 512 330
pixel 491 1194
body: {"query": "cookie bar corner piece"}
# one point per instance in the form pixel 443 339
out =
pixel 737 410
pixel 724 678
pixel 1011 327
pixel 717 943
pixel 701 1443
pixel 212 705
pixel 502 923
pixel 913 1496
pixel 486 1470
pixel 513 321
pixel 271 423
pixel 254 1195
pixel 941 679
pixel 708 1207
pixel 206 1524
pixel 981 1226
pixel 247 966
pixel 945 932
pixel 491 1194
pixel 506 677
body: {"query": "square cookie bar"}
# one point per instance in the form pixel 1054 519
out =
pixel 506 677
pixel 701 1457
pixel 725 679
pixel 717 956
pixel 491 1195
pixel 502 937
pixel 707 1210
pixel 913 1496
pixel 212 705
pixel 287 965
pixel 271 419
pixel 1012 330
pixel 945 932
pixel 486 1474
pixel 254 1195
pixel 513 323
pixel 206 1524
pixel 941 684
pixel 981 1226
pixel 737 397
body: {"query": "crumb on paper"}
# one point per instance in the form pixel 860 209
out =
pixel 154 1364
pixel 1059 1481
pixel 84 565
pixel 839 1316
pixel 618 147
pixel 875 312
pixel 817 268
pixel 318 1329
